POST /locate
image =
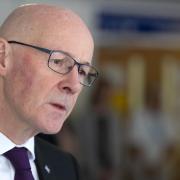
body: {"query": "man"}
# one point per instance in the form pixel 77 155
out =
pixel 45 60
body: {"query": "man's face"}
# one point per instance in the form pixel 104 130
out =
pixel 38 98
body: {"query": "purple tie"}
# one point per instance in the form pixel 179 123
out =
pixel 20 161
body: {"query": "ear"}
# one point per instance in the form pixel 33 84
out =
pixel 4 51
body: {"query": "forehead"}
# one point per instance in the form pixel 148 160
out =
pixel 70 35
pixel 75 42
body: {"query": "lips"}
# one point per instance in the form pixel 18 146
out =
pixel 58 106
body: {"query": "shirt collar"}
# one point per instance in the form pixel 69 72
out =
pixel 7 144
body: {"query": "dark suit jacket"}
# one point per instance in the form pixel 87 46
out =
pixel 53 164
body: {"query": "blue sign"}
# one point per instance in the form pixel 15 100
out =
pixel 114 22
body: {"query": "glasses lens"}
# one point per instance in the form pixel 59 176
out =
pixel 87 74
pixel 60 62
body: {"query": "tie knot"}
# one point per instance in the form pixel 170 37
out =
pixel 19 158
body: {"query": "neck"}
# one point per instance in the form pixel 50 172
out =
pixel 12 127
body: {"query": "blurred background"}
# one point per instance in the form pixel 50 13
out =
pixel 127 126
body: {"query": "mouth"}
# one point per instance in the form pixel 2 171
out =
pixel 58 106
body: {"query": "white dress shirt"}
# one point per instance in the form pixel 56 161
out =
pixel 7 171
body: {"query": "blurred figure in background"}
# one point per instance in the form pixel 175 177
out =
pixel 99 135
pixel 151 134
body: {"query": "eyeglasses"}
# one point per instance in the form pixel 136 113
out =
pixel 62 63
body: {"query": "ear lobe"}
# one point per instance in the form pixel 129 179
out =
pixel 3 56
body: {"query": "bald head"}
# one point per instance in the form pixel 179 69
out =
pixel 51 27
pixel 33 22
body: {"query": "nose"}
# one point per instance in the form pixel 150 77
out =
pixel 70 82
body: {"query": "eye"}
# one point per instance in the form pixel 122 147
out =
pixel 82 72
pixel 58 61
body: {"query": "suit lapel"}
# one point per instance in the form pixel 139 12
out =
pixel 53 164
pixel 44 169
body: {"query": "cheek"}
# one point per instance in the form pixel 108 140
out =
pixel 22 80
pixel 19 84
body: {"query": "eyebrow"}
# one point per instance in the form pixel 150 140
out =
pixel 77 59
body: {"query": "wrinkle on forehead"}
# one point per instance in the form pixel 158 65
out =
pixel 30 22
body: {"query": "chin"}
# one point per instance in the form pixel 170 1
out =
pixel 51 130
pixel 51 123
pixel 54 128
